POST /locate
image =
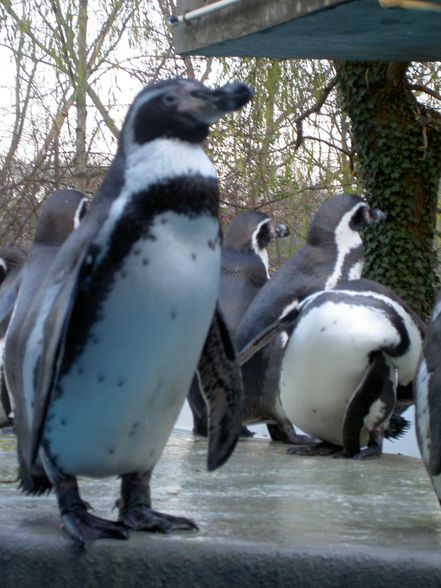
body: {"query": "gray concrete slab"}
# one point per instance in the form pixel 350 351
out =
pixel 305 29
pixel 266 519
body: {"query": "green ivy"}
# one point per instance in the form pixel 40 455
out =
pixel 398 147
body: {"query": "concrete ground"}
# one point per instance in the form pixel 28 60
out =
pixel 266 519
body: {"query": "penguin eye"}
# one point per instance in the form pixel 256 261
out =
pixel 169 100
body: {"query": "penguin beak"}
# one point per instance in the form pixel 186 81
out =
pixel 208 105
pixel 373 215
pixel 281 230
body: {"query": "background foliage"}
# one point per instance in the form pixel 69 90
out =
pixel 315 128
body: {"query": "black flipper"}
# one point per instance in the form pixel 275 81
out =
pixel 264 337
pixel 220 381
pixel 378 383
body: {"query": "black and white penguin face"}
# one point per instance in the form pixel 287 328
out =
pixel 60 214
pixel 179 109
pixel 341 216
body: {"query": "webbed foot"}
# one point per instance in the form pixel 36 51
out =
pixel 319 449
pixel 82 526
pixel 85 528
pixel 136 513
pixel 143 518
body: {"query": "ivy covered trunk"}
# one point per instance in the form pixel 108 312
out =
pixel 398 147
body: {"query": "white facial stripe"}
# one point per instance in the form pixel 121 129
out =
pixel 262 253
pixel 153 163
pixel 79 212
pixel 346 239
pixel 3 264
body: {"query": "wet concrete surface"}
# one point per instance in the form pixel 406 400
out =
pixel 266 519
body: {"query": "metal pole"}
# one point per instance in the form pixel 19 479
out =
pixel 198 12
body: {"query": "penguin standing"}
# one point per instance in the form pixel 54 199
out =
pixel 59 215
pixel 244 270
pixel 333 252
pixel 427 392
pixel 113 337
pixel 11 261
pixel 351 356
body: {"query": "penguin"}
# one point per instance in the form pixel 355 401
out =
pixel 427 392
pixel 244 270
pixel 333 252
pixel 11 261
pixel 126 314
pixel 59 215
pixel 348 365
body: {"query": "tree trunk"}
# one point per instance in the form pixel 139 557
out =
pixel 398 146
pixel 81 106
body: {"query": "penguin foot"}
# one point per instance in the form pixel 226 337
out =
pixel 319 449
pixel 85 528
pixel 143 518
pixel 135 512
pixel 82 526
pixel 286 433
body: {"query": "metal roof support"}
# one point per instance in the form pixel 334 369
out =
pixel 198 12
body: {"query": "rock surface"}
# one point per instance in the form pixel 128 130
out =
pixel 265 518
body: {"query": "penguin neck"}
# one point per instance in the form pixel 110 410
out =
pixel 162 175
pixel 349 258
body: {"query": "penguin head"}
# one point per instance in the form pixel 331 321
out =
pixel 11 259
pixel 346 213
pixel 248 231
pixel 59 215
pixel 179 109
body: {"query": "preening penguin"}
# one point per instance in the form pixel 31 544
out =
pixel 427 393
pixel 352 353
pixel 127 310
pixel 244 270
pixel 11 261
pixel 333 252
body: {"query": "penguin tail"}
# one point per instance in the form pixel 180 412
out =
pixel 398 427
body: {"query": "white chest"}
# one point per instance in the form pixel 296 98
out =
pixel 325 360
pixel 124 392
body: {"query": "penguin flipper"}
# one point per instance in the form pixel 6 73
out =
pixel 377 385
pixel 50 311
pixel 262 339
pixel 221 384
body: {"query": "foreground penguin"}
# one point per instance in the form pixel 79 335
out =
pixel 333 252
pixel 59 215
pixel 11 261
pixel 115 333
pixel 428 400
pixel 244 270
pixel 349 363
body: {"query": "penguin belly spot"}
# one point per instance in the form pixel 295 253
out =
pixel 325 360
pixel 115 406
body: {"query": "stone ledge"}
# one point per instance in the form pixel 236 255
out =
pixel 266 519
